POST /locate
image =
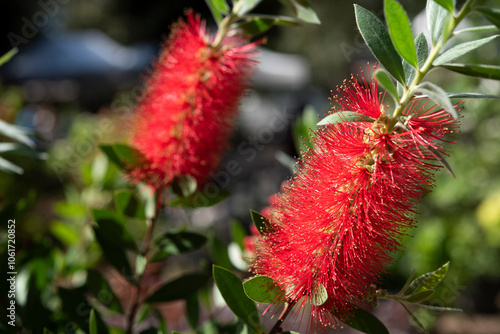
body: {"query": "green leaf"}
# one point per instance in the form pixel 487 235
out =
pixel 438 95
pixel 492 14
pixel 22 150
pixel 180 242
pixel 366 322
pixel 429 280
pixel 302 10
pixel 128 204
pixel 193 310
pixel 415 319
pixel 447 4
pixel 200 199
pixel 218 251
pixel 246 6
pixel 122 155
pixel 400 31
pixel 442 160
pixel 440 308
pixel 111 225
pixel 257 24
pixel 378 40
pixel 92 323
pixel 179 288
pixel 460 50
pixel 422 49
pixel 140 264
pixel 218 7
pixel 7 56
pixel 263 289
pixel 238 233
pixel 64 233
pixel 385 80
pixel 302 129
pixel 232 291
pixel 115 255
pixel 344 116
pixel 437 19
pixel 261 222
pixel 319 295
pixel 17 133
pixel 9 167
pixel 102 291
pixel 480 71
pixel 465 96
pixel 419 296
pixel 489 28
pixel 184 185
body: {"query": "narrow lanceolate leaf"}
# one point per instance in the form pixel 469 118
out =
pixel 422 49
pixel 7 56
pixel 489 28
pixel 428 281
pixel 447 4
pixel 415 319
pixel 366 322
pixel 437 20
pixel 385 80
pixel 261 222
pixel 92 323
pixel 492 14
pixel 17 133
pixel 121 155
pixel 460 50
pixel 263 289
pixel 442 160
pixel 302 10
pixel 232 291
pixel 400 31
pixel 246 6
pixel 344 116
pixel 465 96
pixel 378 40
pixel 438 95
pixel 420 296
pixel 218 7
pixel 179 288
pixel 480 71
pixel 9 167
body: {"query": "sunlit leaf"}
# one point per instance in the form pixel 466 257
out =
pixel 9 167
pixel 460 50
pixel 438 95
pixel 400 31
pixel 376 36
pixel 246 6
pixel 122 155
pixel 420 296
pixel 437 19
pixel 344 116
pixel 447 4
pixel 263 289
pixel 218 7
pixel 429 280
pixel 17 133
pixel 184 185
pixel 7 56
pixel 303 10
pixel 489 28
pixel 92 323
pixel 464 96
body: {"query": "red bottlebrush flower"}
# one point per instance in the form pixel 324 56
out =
pixel 184 120
pixel 334 225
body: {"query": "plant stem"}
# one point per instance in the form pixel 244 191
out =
pixel 145 249
pixel 277 326
pixel 409 92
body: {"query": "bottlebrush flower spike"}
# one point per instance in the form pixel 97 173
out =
pixel 183 122
pixel 334 225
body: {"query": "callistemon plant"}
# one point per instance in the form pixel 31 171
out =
pixel 183 122
pixel 331 230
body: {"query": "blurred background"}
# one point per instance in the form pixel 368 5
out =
pixel 75 80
